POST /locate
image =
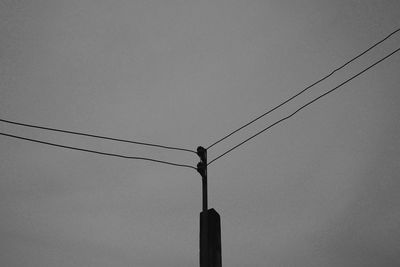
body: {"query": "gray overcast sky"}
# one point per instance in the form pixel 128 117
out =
pixel 322 189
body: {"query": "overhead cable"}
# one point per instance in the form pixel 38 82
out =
pixel 304 106
pixel 95 136
pixel 305 89
pixel 97 152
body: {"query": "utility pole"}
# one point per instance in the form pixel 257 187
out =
pixel 202 169
pixel 210 222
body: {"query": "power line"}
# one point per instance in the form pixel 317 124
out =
pixel 95 136
pixel 97 152
pixel 305 89
pixel 304 106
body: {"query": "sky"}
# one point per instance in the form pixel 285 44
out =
pixel 320 189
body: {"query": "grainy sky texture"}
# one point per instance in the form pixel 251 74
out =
pixel 321 189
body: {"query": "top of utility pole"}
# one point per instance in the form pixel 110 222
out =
pixel 202 169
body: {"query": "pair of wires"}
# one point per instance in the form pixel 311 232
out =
pixel 96 152
pixel 301 92
pixel 96 137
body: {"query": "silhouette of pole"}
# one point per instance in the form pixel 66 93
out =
pixel 210 222
pixel 202 169
pixel 210 239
